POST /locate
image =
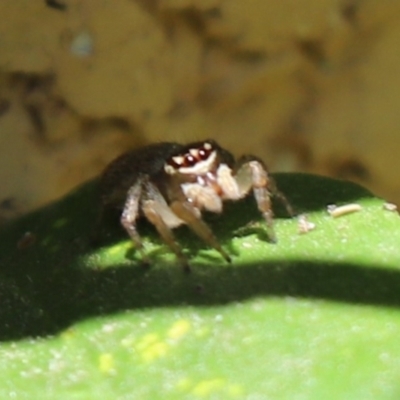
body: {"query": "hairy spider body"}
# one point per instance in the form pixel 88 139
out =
pixel 171 184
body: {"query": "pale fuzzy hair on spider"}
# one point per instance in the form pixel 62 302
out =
pixel 170 184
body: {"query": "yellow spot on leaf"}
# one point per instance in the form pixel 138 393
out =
pixel 179 329
pixel 147 340
pixel 118 248
pixel 106 363
pixel 68 334
pixel 155 351
pixel 151 347
pixel 184 384
pixel 205 388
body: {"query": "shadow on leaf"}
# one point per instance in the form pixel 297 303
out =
pixel 44 288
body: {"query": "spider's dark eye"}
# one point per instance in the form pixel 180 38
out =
pixel 189 160
pixel 203 154
pixel 205 151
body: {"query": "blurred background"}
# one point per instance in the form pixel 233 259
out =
pixel 308 85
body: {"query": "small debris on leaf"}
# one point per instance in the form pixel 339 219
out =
pixel 304 225
pixel 390 207
pixel 338 211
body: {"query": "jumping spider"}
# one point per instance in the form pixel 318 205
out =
pixel 170 184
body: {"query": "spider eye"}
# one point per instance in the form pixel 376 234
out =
pixel 197 159
pixel 205 151
pixel 203 154
pixel 189 160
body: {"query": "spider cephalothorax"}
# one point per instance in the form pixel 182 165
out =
pixel 171 184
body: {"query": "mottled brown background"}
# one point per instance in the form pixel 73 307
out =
pixel 309 85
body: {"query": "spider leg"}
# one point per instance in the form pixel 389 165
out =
pixel 187 213
pixel 157 212
pixel 149 210
pixel 167 216
pixel 251 173
pixel 282 198
pixel 130 214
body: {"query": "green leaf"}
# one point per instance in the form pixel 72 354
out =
pixel 314 316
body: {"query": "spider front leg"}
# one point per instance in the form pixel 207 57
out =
pixel 146 196
pixel 186 212
pixel 130 214
pixel 282 198
pixel 158 213
pixel 150 211
pixel 251 173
